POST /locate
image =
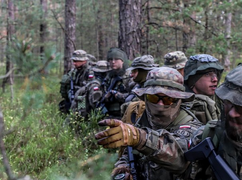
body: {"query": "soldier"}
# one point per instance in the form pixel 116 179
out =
pixel 139 70
pixel 160 136
pixel 92 60
pixel 227 132
pixel 77 84
pixel 202 75
pixel 116 83
pixel 101 69
pixel 176 60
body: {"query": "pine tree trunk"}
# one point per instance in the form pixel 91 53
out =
pixel 43 26
pixel 70 29
pixel 10 32
pixel 228 23
pixel 129 24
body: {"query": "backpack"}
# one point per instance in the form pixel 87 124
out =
pixel 86 98
pixel 136 107
pixel 65 85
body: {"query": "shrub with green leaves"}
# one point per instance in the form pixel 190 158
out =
pixel 38 142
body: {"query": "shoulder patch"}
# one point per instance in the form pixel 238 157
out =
pixel 96 88
pixel 90 76
pixel 182 132
pixel 184 126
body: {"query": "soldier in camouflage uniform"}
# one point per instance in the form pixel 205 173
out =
pixel 161 135
pixel 226 133
pixel 202 75
pixel 116 83
pixel 85 93
pixel 139 70
pixel 91 60
pixel 101 68
pixel 176 60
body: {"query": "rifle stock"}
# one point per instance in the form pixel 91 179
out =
pixel 205 150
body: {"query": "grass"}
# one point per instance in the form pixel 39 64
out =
pixel 40 145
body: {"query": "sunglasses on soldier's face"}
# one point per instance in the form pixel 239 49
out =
pixel 154 98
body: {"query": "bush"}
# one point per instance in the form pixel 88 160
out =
pixel 40 145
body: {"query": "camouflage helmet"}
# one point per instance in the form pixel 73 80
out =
pixel 79 55
pixel 116 53
pixel 200 62
pixel 176 60
pixel 101 66
pixel 91 58
pixel 231 89
pixel 145 62
pixel 164 80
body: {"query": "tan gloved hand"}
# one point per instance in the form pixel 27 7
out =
pixel 119 134
pixel 121 171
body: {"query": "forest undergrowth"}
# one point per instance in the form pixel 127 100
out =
pixel 39 144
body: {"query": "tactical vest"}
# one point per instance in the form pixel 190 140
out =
pixel 203 107
pixel 114 105
pixel 83 81
pixel 147 169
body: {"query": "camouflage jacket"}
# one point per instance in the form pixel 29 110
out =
pixel 121 86
pixel 86 90
pixel 161 157
pixel 80 78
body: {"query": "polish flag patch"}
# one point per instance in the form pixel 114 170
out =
pixel 185 126
pixel 96 88
pixel 90 76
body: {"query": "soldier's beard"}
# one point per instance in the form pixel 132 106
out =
pixel 233 132
pixel 160 116
pixel 83 66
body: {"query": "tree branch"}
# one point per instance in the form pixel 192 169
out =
pixel 41 69
pixel 202 25
pixel 8 74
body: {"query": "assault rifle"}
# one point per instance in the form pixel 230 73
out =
pixel 72 90
pixel 130 153
pixel 132 168
pixel 132 95
pixel 205 150
pixel 101 104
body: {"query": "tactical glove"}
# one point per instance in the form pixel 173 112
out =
pixel 121 171
pixel 119 134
